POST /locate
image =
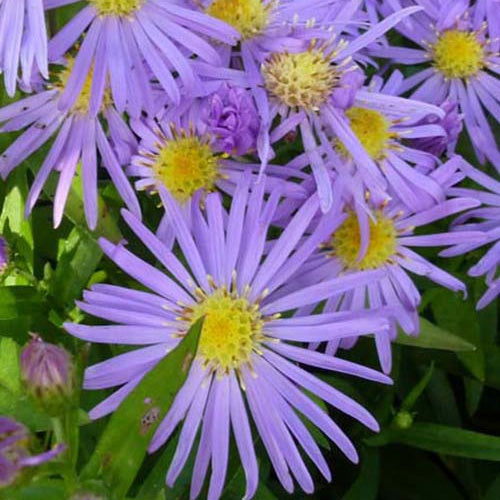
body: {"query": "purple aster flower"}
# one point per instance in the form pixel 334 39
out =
pixel 14 452
pixel 385 241
pixel 235 280
pixel 183 153
pixel 23 41
pixel 459 57
pixel 79 136
pixel 386 126
pixel 308 85
pixel 486 219
pixel 133 42
pixel 300 73
pixel 231 116
pixel 48 374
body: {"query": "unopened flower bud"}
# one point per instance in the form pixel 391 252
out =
pixel 47 371
pixel 231 116
pixel 403 420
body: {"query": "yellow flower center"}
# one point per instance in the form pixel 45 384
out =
pixel 231 330
pixel 305 79
pixel 185 164
pixel 458 54
pixel 116 7
pixel 249 17
pixel 371 128
pixel 346 242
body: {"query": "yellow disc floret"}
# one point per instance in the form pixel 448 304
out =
pixel 372 130
pixel 116 7
pixel 458 54
pixel 249 17
pixel 185 164
pixel 231 329
pixel 346 242
pixel 304 79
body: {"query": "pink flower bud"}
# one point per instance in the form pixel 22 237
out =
pixel 48 374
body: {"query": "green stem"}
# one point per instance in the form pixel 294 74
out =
pixel 58 429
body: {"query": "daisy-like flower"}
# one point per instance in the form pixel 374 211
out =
pixel 23 41
pixel 14 452
pixel 234 279
pixel 386 241
pixel 387 126
pixel 185 151
pixel 487 219
pixel 130 43
pixel 79 136
pixel 459 61
pixel 308 85
pixel 299 73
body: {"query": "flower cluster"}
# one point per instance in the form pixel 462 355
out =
pixel 294 193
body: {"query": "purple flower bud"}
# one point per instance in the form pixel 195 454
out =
pixel 452 125
pixel 231 116
pixel 48 373
pixel 14 451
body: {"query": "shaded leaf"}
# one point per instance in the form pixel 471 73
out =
pixel 13 216
pixel 442 439
pixel 366 485
pixel 434 337
pixel 459 318
pixel 78 260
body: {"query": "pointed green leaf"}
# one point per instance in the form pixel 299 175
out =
pixel 460 318
pixel 74 209
pixel 366 485
pixel 122 446
pixel 442 439
pixel 13 216
pixel 434 337
pixel 78 260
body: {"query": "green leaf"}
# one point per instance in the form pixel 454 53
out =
pixel 49 489
pixel 15 301
pixel 74 209
pixel 122 446
pixel 434 337
pixel 22 309
pixel 473 393
pixel 13 216
pixel 9 366
pixel 442 439
pixel 460 318
pixel 13 401
pixel 493 492
pixel 78 260
pixel 366 485
pixel 154 484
